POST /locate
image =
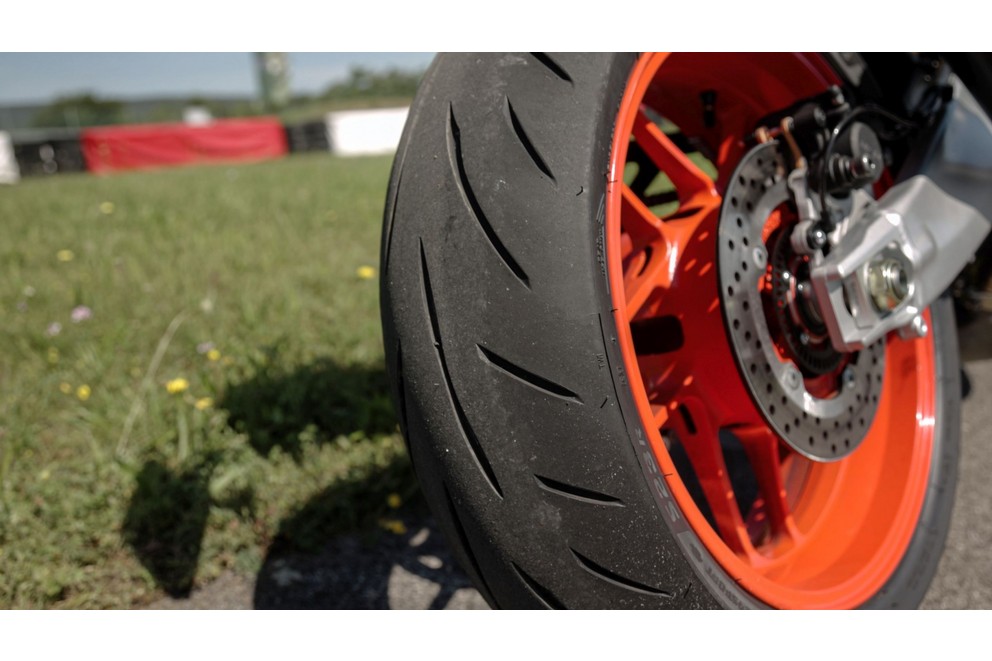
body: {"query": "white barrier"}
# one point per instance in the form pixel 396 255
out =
pixel 9 172
pixel 361 132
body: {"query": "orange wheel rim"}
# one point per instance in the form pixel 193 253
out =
pixel 811 535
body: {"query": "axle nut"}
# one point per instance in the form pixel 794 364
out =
pixel 888 283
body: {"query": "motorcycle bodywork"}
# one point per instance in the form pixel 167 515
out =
pixel 954 154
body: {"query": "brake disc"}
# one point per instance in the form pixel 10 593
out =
pixel 821 428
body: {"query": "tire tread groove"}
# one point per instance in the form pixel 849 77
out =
pixel 525 140
pixel 456 521
pixel 553 66
pixel 390 221
pixel 577 493
pixel 467 432
pixel 401 395
pixel 456 158
pixel 616 579
pixel 527 377
pixel 542 594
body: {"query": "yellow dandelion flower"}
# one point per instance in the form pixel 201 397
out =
pixel 65 255
pixel 53 355
pixel 213 355
pixel 177 385
pixel 394 526
pixel 106 208
pixel 83 392
pixel 394 500
pixel 65 387
pixel 365 272
pixel 203 403
pixel 44 474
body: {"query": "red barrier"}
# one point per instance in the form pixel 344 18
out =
pixel 138 146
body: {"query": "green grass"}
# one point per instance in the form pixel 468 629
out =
pixel 113 490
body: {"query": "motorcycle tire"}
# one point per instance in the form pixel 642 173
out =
pixel 581 442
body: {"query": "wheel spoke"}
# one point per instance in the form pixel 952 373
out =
pixel 662 386
pixel 729 155
pixel 679 238
pixel 762 448
pixel 626 246
pixel 640 286
pixel 660 415
pixel 702 445
pixel 638 220
pixel 691 183
pixel 646 268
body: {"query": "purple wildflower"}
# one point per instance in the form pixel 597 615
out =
pixel 80 313
pixel 53 329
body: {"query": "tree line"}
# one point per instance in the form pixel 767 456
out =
pixel 361 85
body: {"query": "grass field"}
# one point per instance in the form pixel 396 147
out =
pixel 190 370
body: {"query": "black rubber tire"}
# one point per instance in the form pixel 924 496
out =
pixel 502 352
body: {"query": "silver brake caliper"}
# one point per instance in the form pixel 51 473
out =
pixel 894 257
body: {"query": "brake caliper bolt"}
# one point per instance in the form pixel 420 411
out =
pixel 916 328
pixel 760 257
pixel 848 378
pixel 888 283
pixel 816 238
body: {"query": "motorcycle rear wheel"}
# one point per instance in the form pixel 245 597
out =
pixel 567 464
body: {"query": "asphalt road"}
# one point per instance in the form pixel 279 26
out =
pixel 964 578
pixel 415 570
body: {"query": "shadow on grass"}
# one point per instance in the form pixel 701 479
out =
pixel 165 522
pixel 329 538
pixel 324 399
pixel 312 565
pixel 167 516
pixel 355 502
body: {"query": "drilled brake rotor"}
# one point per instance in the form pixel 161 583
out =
pixel 824 428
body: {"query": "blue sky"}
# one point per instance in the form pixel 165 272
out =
pixel 40 77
